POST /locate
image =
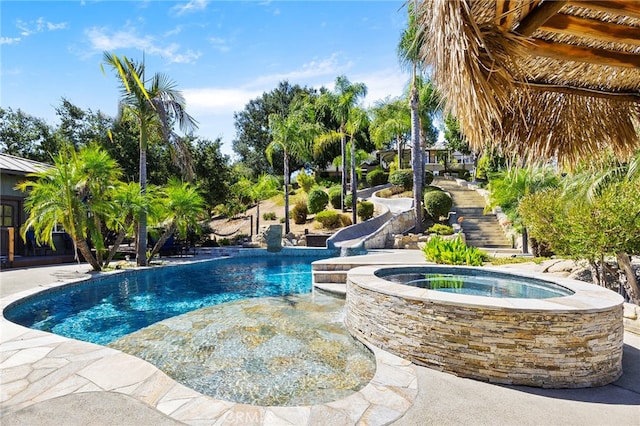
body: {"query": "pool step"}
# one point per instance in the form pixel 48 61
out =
pixel 329 277
pixel 335 289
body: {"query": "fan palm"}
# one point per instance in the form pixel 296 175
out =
pixel 155 104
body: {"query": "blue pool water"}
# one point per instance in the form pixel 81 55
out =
pixel 474 282
pixel 106 309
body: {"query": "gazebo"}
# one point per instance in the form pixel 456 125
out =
pixel 538 78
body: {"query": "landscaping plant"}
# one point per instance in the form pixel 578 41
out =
pixel 317 200
pixel 300 212
pixel 403 178
pixel 452 252
pixel 365 210
pixel 329 219
pixel 437 204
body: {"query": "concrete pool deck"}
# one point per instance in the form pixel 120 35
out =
pixel 47 379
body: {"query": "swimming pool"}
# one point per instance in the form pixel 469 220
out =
pixel 276 344
pixel 104 309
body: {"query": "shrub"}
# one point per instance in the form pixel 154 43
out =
pixel 269 216
pixel 318 200
pixel 329 219
pixel 428 177
pixel 385 193
pixel 430 188
pixel 441 229
pixel 452 252
pixel 282 220
pixel 437 204
pixel 305 181
pixel 403 178
pixel 300 212
pixel 224 242
pixel 365 210
pixel 335 197
pixel 345 219
pixel 377 177
pixel 348 200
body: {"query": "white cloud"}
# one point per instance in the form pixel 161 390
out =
pixel 308 72
pixel 219 99
pixel 38 26
pixel 219 44
pixel 9 40
pixel 102 39
pixel 381 84
pixel 192 6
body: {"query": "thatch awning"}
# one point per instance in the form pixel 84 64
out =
pixel 538 78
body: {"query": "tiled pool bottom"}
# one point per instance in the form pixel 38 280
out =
pixel 283 351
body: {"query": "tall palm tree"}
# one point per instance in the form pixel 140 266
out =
pixel 156 104
pixel 74 193
pixel 408 54
pixel 345 96
pixel 181 208
pixel 293 135
pixel 357 122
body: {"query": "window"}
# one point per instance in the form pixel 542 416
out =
pixel 6 215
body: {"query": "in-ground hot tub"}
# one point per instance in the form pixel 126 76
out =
pixel 523 329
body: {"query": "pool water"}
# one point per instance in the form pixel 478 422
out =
pixel 475 282
pixel 108 308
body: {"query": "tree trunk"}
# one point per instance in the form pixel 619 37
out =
pixel 354 182
pixel 631 283
pixel 116 244
pixel 163 239
pixel 343 148
pixel 399 139
pixel 416 158
pixel 141 243
pixel 86 253
pixel 286 193
pixel 257 217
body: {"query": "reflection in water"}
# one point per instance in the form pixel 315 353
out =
pixel 291 350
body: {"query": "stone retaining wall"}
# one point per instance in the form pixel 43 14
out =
pixel 555 348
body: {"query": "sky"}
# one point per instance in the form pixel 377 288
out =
pixel 220 54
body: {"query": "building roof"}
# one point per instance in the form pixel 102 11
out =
pixel 20 166
pixel 538 77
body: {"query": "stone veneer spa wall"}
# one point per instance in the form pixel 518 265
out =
pixel 564 342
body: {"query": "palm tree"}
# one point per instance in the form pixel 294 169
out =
pixel 391 120
pixel 408 54
pixel 128 202
pixel 345 96
pixel 181 208
pixel 74 193
pixel 293 135
pixel 158 105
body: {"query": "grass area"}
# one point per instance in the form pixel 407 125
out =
pixel 497 261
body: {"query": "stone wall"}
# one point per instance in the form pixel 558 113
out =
pixel 383 237
pixel 554 348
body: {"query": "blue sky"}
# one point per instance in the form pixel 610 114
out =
pixel 221 54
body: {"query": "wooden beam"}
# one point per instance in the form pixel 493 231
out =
pixel 538 16
pixel 592 28
pixel 567 52
pixel 581 91
pixel 616 7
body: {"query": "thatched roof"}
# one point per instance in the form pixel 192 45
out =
pixel 538 78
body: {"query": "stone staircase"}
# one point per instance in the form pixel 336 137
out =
pixel 481 230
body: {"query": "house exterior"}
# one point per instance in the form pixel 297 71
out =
pixel 13 250
pixel 436 159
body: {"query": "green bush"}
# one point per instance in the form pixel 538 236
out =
pixel 335 197
pixel 329 219
pixel 305 181
pixel 437 204
pixel 452 252
pixel 269 216
pixel 403 178
pixel 385 193
pixel 300 212
pixel 317 200
pixel 364 209
pixel 430 188
pixel 377 177
pixel 428 177
pixel 440 229
pixel 348 199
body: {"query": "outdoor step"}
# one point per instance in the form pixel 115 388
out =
pixel 332 266
pixel 335 289
pixel 326 277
